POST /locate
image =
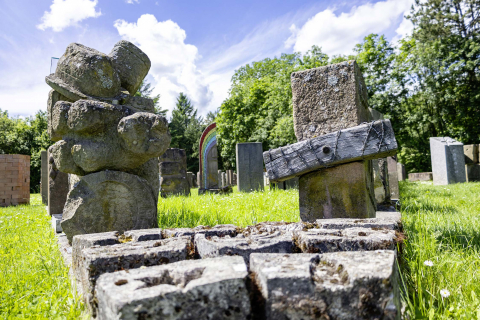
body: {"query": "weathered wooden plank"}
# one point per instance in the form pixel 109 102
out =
pixel 364 142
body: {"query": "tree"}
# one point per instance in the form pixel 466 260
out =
pixel 145 91
pixel 186 128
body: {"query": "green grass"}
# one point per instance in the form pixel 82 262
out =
pixel 34 281
pixel 441 224
pixel 239 208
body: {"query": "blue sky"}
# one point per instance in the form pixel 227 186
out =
pixel 194 46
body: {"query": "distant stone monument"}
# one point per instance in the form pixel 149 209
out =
pixel 393 178
pixel 173 173
pixel 448 161
pixel 249 166
pixel 402 172
pixel 14 179
pixel 329 99
pixel 472 167
pixel 44 177
pixel 107 137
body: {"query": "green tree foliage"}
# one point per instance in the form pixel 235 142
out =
pixel 186 128
pixel 26 136
pixel 145 91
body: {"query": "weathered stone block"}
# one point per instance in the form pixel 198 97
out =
pixel 383 220
pixel 95 261
pixel 220 230
pixel 393 178
pixel 342 285
pixel 249 166
pixel 420 176
pixel 173 173
pixel 275 242
pixel 402 172
pixel 471 153
pixel 57 188
pixel 143 235
pixel 349 239
pixel 472 172
pixel 335 194
pixel 199 289
pixel 109 200
pixel 381 183
pixel 448 161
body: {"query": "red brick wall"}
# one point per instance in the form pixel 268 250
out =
pixel 14 179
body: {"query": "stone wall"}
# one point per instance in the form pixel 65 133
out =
pixel 14 179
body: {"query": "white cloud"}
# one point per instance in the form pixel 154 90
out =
pixel 174 67
pixel 404 29
pixel 65 13
pixel 132 1
pixel 337 34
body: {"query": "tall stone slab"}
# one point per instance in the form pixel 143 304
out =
pixel 208 159
pixel 229 177
pixel 328 99
pixel 190 179
pixel 173 173
pixel 402 172
pixel 472 167
pixel 199 180
pixel 220 183
pixel 57 188
pixel 44 177
pixel 448 161
pixel 393 178
pixel 249 166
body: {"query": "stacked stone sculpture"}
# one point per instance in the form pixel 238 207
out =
pixel 107 137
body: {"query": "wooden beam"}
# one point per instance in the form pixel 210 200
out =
pixel 364 142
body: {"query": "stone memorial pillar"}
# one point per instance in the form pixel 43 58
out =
pixel 402 173
pixel 393 178
pixel 325 100
pixel 249 166
pixel 173 173
pixel 44 177
pixel 472 167
pixel 224 180
pixel 229 177
pixel 220 181
pixel 448 161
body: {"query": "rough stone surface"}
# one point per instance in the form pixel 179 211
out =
pixel 393 178
pixel 333 194
pixel 44 177
pixel 143 235
pixel 220 230
pixel 473 172
pixel 249 166
pixel 448 161
pixel 97 260
pixel 109 200
pixel 349 239
pixel 471 153
pixel 383 220
pixel 173 173
pixel 420 176
pixel 402 172
pixel 131 64
pixel 205 289
pixel 57 188
pixel 381 182
pixel 275 242
pixel 14 179
pixel 342 285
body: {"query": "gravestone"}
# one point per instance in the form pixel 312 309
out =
pixel 44 177
pixel 448 161
pixel 190 179
pixel 58 189
pixel 220 184
pixel 472 167
pixel 208 160
pixel 402 172
pixel 224 179
pixel 249 166
pixel 107 137
pixel 229 177
pixel 199 181
pixel 380 171
pixel 393 178
pixel 14 179
pixel 234 181
pixel 329 99
pixel 173 173
pixel 420 176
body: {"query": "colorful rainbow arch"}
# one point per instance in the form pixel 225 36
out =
pixel 207 142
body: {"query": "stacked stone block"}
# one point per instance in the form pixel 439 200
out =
pixel 472 167
pixel 14 179
pixel 173 173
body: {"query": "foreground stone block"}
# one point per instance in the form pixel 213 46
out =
pixel 220 230
pixel 383 220
pixel 198 289
pixel 448 161
pixel 95 261
pixel 109 200
pixel 342 285
pixel 349 239
pixel 338 192
pixel 420 176
pixel 249 166
pixel 472 172
pixel 275 242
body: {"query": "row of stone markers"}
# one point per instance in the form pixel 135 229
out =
pixel 270 270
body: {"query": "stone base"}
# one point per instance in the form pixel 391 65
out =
pixel 56 219
pixel 224 190
pixel 420 176
pixel 473 172
pixel 339 192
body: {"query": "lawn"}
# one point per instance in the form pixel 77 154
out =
pixel 441 250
